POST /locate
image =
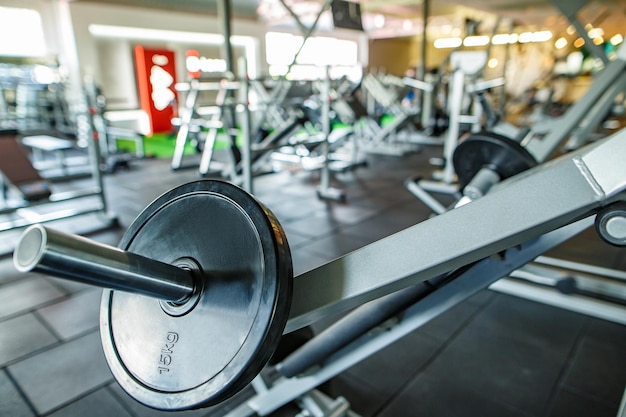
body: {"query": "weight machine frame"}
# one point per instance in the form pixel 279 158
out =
pixel 552 202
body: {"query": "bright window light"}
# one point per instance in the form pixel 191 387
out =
pixel 282 47
pixel 476 41
pixel 21 33
pixel 448 43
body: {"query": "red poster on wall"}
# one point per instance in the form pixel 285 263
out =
pixel 156 77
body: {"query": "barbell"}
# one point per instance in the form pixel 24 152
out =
pixel 193 328
pixel 200 288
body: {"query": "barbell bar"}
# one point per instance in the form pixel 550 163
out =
pixel 76 258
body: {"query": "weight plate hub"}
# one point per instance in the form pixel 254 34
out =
pixel 489 150
pixel 199 353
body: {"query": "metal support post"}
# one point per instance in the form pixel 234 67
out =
pixel 545 147
pixel 246 160
pixel 325 191
pixel 185 123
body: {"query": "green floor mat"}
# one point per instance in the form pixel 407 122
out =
pixel 162 145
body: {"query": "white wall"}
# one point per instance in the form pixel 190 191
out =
pixel 110 61
pixel 85 14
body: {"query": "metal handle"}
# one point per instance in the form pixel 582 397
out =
pixel 73 257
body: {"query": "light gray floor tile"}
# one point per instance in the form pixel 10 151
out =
pixel 24 295
pixel 74 316
pixel 60 375
pixel 22 335
pixel 11 402
pixel 98 404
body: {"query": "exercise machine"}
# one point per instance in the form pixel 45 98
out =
pixel 28 197
pixel 200 289
pixel 509 156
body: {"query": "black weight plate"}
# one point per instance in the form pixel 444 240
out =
pixel 485 149
pixel 180 357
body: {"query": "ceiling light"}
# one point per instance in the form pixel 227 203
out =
pixel 525 37
pixel 560 43
pixel 579 42
pixel 595 33
pixel 476 41
pixel 501 39
pixel 379 21
pixel 617 39
pixel 542 36
pixel 493 62
pixel 599 40
pixel 448 43
pixel 571 30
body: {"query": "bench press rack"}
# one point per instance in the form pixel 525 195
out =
pixel 21 178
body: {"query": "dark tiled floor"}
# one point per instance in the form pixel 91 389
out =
pixel 492 355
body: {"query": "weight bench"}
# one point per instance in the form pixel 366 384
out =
pixel 41 144
pixel 18 170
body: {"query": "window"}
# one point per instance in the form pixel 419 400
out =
pixel 317 52
pixel 21 33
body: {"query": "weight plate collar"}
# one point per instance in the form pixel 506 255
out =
pixel 204 351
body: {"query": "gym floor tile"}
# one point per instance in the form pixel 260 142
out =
pixel 21 336
pixel 520 375
pixel 608 333
pixel 75 315
pixel 12 404
pixel 434 397
pixel 588 247
pixel 598 370
pixel 570 404
pixel 316 225
pixel 388 370
pixel 374 228
pixel 295 239
pixel 364 400
pixel 97 404
pixel 62 374
pixel 347 214
pixel 539 326
pixel 292 210
pixel 303 260
pixel 26 294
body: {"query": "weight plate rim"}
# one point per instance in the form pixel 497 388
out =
pixel 521 154
pixel 261 217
